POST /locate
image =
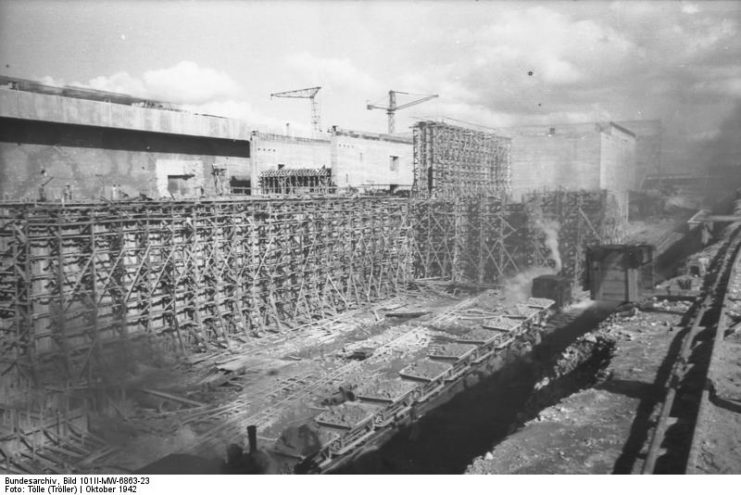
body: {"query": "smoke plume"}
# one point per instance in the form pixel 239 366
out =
pixel 550 229
pixel 720 155
pixel 518 289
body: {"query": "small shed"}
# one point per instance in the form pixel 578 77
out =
pixel 620 272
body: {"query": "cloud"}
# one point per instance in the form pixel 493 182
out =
pixel 563 63
pixel 721 88
pixel 244 110
pixel 185 83
pixel 527 63
pixel 50 81
pixel 120 82
pixel 336 74
pixel 558 49
pixel 678 61
pixel 720 151
pixel 690 8
pixel 193 88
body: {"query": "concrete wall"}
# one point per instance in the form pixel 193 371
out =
pixel 366 159
pixel 649 135
pixel 356 158
pixel 574 156
pixel 271 150
pixel 617 164
pixel 92 159
pixel 548 157
pixel 64 110
pixel 93 145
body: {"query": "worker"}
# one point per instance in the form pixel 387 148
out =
pixel 705 234
pixel 45 180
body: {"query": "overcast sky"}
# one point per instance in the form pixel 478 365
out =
pixel 493 63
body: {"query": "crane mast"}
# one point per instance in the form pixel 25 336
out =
pixel 393 107
pixel 310 94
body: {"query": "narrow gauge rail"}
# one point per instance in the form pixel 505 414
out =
pixel 727 319
pixel 674 437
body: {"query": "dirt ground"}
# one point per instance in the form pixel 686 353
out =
pixel 602 429
pixel 718 437
pixel 446 439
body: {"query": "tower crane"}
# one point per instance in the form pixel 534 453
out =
pixel 309 93
pixel 393 107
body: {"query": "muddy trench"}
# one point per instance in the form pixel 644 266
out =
pixel 570 357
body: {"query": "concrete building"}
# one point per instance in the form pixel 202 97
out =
pixel 91 144
pixel 355 158
pixel 88 144
pixel 371 159
pixel 649 134
pixel 272 152
pixel 573 156
pixel 90 147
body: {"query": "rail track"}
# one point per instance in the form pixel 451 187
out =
pixel 674 438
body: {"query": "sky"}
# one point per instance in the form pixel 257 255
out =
pixel 493 64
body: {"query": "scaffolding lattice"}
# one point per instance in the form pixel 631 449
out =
pixel 451 159
pixel 89 285
pixel 186 274
pixel 484 239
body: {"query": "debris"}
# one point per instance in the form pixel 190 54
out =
pixel 478 336
pixel 425 369
pixel 501 324
pixel 98 455
pixel 385 390
pixel 451 351
pixel 362 353
pixel 407 314
pixel 346 416
pixel 172 397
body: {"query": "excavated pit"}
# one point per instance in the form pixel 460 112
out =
pixel 568 358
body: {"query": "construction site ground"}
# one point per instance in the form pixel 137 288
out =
pixel 605 427
pixel 219 385
pixel 447 439
pixel 179 417
pixel 162 414
pixel 602 429
pixel 717 447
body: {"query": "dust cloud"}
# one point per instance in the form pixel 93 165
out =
pixel 519 288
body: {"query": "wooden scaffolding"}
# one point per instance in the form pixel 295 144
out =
pixel 190 275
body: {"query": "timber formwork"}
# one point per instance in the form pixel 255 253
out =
pixel 197 274
pixel 484 239
pixel 296 181
pixel 452 159
pixel 184 274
